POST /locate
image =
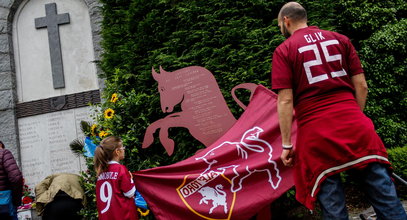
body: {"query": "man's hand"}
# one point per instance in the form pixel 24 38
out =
pixel 287 156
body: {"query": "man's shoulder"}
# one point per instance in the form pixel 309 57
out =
pixel 284 46
pixel 337 35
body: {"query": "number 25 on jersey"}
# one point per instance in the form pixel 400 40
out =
pixel 330 58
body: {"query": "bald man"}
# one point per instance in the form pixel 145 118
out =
pixel 318 73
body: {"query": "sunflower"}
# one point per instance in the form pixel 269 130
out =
pixel 109 113
pixel 143 213
pixel 114 98
pixel 103 134
pixel 93 129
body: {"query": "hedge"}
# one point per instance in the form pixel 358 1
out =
pixel 234 39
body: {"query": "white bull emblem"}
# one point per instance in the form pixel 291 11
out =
pixel 249 145
pixel 217 195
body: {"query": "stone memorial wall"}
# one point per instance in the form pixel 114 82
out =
pixel 48 78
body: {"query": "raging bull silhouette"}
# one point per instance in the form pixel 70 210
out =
pixel 249 146
pixel 204 110
pixel 217 195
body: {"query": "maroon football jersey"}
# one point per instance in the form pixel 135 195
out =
pixel 314 62
pixel 333 133
pixel 114 194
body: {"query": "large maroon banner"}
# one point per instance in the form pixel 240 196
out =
pixel 234 178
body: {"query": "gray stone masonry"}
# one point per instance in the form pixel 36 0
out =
pixel 8 121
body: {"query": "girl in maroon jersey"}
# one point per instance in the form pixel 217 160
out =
pixel 114 186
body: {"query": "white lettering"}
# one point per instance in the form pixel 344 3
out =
pixel 307 39
pixel 310 39
pixel 108 175
pixel 198 183
pixel 319 35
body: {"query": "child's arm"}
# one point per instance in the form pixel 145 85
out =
pixel 127 184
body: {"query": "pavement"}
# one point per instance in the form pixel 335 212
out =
pixel 369 213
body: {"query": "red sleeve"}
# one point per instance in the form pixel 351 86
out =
pixel 281 75
pixel 353 61
pixel 126 183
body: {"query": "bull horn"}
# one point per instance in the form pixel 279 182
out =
pixel 156 76
pixel 162 70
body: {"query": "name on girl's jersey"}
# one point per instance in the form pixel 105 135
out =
pixel 311 38
pixel 108 175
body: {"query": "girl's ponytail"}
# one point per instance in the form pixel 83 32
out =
pixel 104 153
pixel 100 160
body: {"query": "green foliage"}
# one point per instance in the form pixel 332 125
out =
pixel 88 182
pixel 234 39
pixel 361 18
pixel 398 159
pixel 322 13
pixel 384 60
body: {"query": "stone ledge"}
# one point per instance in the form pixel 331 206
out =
pixel 59 103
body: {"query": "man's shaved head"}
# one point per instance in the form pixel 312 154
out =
pixel 293 11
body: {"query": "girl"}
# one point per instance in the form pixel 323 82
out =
pixel 114 186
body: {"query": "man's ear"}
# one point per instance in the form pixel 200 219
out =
pixel 286 21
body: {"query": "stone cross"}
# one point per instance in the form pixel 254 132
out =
pixel 51 22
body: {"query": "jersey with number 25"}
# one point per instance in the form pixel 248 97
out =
pixel 114 194
pixel 314 62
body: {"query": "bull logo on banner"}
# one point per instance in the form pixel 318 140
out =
pixel 216 187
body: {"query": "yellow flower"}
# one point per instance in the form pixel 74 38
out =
pixel 109 113
pixel 103 134
pixel 143 213
pixel 93 129
pixel 114 98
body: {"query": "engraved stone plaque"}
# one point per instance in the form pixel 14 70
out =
pixel 44 142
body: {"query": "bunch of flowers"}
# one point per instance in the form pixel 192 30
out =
pixel 96 132
pixel 27 200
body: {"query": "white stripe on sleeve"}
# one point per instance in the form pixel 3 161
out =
pixel 130 193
